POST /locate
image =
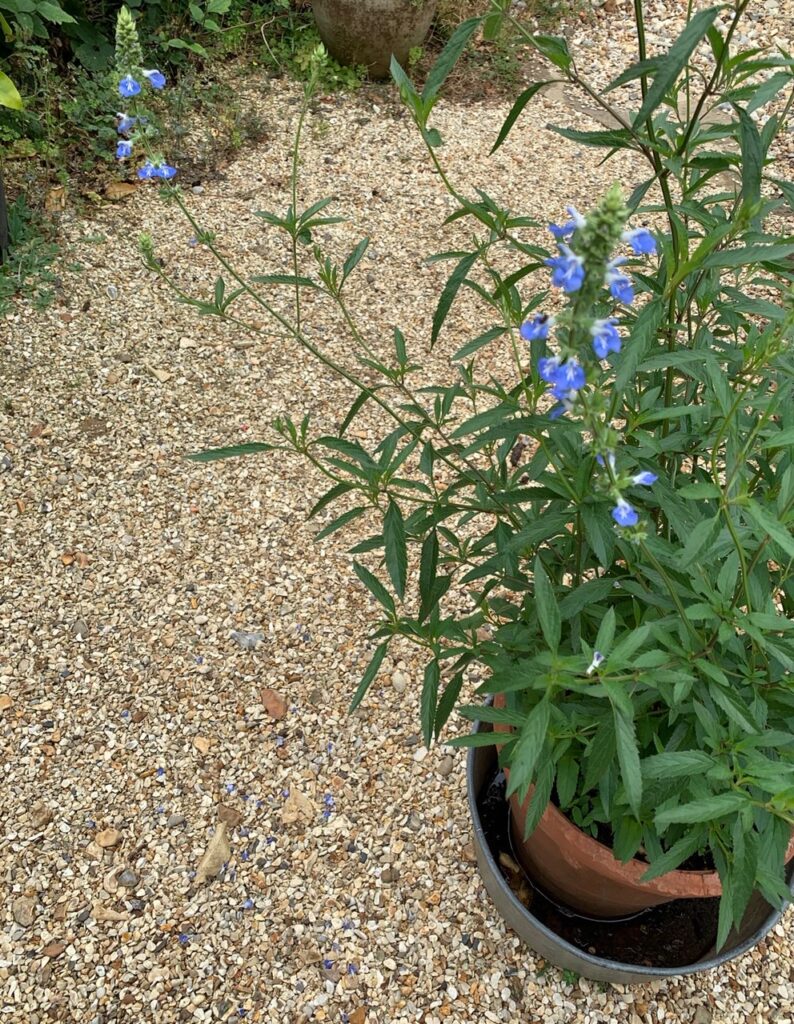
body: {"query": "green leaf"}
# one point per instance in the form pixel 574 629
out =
pixel 734 709
pixel 354 258
pixel 610 138
pixel 341 521
pixel 546 606
pixel 606 632
pixel 752 163
pixel 676 764
pixel 476 739
pixel 779 534
pixel 567 777
pixel 448 57
pixel 449 292
pixel 396 553
pixel 748 254
pixel 700 541
pixel 710 808
pixel 448 700
pixel 9 96
pixel 628 758
pixel 331 495
pixel 477 343
pixel 516 109
pixel 428 564
pixel 53 12
pixel 292 279
pixel 673 62
pixel 374 586
pixel 528 747
pixel 369 674
pixel 213 454
pixel 555 49
pixel 429 700
pixel 675 856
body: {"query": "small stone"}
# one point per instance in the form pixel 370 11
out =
pixel 414 821
pixel 298 808
pixel 316 697
pixel 107 914
pixel 80 629
pixel 445 766
pixel 248 641
pixel 83 915
pixel 40 814
pixel 215 856
pixel 112 291
pixel 202 744
pixel 389 875
pixel 229 815
pixel 108 837
pixel 139 715
pixel 23 910
pixel 125 357
pixel 128 878
pixel 275 705
pixel 399 681
pixel 175 820
pixel 703 1015
pixel 54 949
pixel 6 701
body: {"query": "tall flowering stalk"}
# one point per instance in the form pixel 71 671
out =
pixel 132 122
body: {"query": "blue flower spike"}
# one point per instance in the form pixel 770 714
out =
pixel 566 230
pixel 619 284
pixel 155 78
pixel 123 149
pixel 644 479
pixel 570 376
pixel 165 171
pixel 567 269
pixel 624 514
pixel 547 368
pixel 605 338
pixel 129 87
pixel 125 123
pixel 641 241
pixel 537 329
pixel 147 171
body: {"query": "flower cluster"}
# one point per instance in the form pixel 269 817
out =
pixel 584 268
pixel 128 57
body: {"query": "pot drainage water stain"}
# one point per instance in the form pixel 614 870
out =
pixel 671 935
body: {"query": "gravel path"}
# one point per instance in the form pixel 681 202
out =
pixel 178 653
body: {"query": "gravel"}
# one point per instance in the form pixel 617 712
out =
pixel 179 653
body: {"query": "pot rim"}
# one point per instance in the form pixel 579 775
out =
pixel 536 933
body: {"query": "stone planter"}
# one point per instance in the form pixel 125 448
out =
pixel 368 32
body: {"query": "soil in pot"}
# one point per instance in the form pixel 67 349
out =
pixel 671 935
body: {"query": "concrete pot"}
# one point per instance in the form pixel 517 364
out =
pixel 758 920
pixel 368 32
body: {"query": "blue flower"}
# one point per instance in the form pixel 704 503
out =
pixel 248 904
pixel 537 329
pixel 328 964
pixel 641 241
pixel 184 939
pixel 147 171
pixel 620 287
pixel 156 78
pixel 569 377
pixel 123 149
pixel 125 123
pixel 230 787
pixel 129 87
pixel 605 338
pixel 547 368
pixel 328 800
pixel 567 269
pixel 164 171
pixel 245 855
pixel 624 514
pixel 160 773
pixel 598 659
pixel 352 969
pixel 610 459
pixel 566 230
pixel 646 478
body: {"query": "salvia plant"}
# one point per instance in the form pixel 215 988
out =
pixel 611 545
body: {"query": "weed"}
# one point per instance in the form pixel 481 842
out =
pixel 31 253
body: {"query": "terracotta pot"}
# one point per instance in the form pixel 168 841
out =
pixel 368 32
pixel 583 873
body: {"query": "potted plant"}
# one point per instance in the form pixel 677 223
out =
pixel 368 32
pixel 605 534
